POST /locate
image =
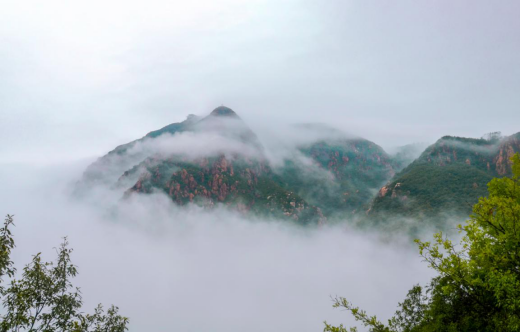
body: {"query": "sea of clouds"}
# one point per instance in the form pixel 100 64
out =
pixel 189 269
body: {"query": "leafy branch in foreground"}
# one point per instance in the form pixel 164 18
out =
pixel 6 246
pixel 477 286
pixel 44 298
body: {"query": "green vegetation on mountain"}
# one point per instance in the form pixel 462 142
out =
pixel 328 177
pixel 344 175
pixel 477 282
pixel 108 168
pixel 338 174
pixel 43 298
pixel 448 177
pixel 244 184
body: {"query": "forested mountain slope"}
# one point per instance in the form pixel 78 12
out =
pixel 448 177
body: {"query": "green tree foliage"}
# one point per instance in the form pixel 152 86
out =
pixel 477 286
pixel 44 298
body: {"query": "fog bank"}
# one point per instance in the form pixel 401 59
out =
pixel 193 270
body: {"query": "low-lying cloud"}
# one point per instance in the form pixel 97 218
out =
pixel 194 145
pixel 189 269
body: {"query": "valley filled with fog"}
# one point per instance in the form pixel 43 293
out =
pixel 171 268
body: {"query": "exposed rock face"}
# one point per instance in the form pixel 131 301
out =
pixel 507 149
pixel 395 190
pixel 448 177
pixel 383 191
pixel 242 184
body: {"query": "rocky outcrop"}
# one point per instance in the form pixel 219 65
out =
pixel 383 191
pixel 239 183
pixel 507 149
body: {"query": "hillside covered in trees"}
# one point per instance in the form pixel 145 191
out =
pixel 447 178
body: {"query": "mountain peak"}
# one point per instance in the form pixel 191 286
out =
pixel 223 111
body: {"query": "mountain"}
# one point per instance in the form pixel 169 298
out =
pixel 218 160
pixel 340 174
pixel 237 182
pixel 206 161
pixel 109 168
pixel 447 178
pixel 222 121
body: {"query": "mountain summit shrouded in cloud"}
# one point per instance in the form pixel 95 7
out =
pixel 213 160
pixel 327 174
pixel 218 159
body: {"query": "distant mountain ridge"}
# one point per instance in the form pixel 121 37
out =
pixel 330 176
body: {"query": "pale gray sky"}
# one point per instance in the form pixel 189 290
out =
pixel 79 78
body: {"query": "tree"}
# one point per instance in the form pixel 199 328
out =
pixel 477 286
pixel 44 298
pixel 493 136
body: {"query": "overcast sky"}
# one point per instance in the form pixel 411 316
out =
pixel 79 78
